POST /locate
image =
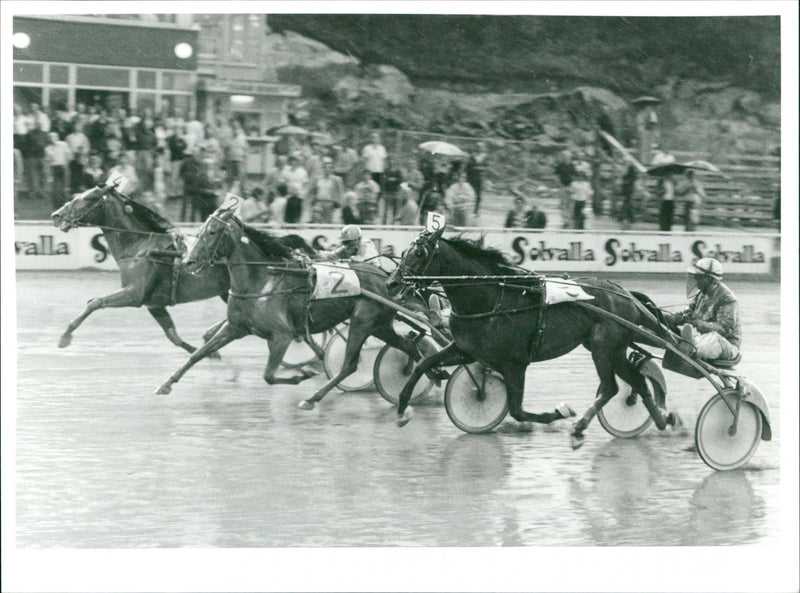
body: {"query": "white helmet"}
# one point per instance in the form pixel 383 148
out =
pixel 351 232
pixel 707 266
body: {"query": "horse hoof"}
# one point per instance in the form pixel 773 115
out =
pixel 565 410
pixel 576 441
pixel 308 372
pixel 306 405
pixel 215 356
pixel 406 417
pixel 164 389
pixel 630 400
pixel 65 341
pixel 674 420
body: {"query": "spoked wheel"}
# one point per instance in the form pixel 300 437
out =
pixel 300 354
pixel 389 374
pixel 625 415
pixel 717 447
pixel 361 380
pixel 475 398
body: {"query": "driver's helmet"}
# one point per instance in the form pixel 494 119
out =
pixel 351 235
pixel 707 266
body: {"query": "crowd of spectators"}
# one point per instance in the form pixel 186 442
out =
pixel 198 163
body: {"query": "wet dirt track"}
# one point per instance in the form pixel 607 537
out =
pixel 227 461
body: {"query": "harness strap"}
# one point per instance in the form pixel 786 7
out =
pixel 495 313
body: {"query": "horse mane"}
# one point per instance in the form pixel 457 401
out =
pixel 270 245
pixel 488 256
pixel 150 218
pixel 297 242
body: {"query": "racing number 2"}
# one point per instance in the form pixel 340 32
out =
pixel 336 289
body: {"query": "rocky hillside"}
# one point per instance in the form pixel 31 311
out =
pixel 541 78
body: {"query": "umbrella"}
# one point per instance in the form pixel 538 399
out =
pixel 438 147
pixel 677 168
pixel 322 138
pixel 645 100
pixel 287 131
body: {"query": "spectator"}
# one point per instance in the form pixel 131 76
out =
pixel 431 201
pixel 145 132
pixel 694 193
pixel 159 181
pixel 350 209
pixel 460 200
pixel 22 123
pixel 327 193
pixel 238 152
pixel 391 198
pixel 93 174
pixel 346 164
pixel 565 171
pixel 253 208
pixel 665 193
pixel 79 147
pixel 374 155
pixel 195 133
pixel 522 216
pixel 126 169
pixel 476 167
pixel 581 191
pixel 408 213
pixel 296 179
pixel 40 117
pixel 177 152
pixel 225 138
pixel 113 143
pixel 277 206
pixel 36 140
pixel 96 132
pixel 273 178
pixel 57 156
pixel 199 195
pixel 628 189
pixel 367 191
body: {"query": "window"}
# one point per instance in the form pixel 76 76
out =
pixel 24 96
pixel 114 77
pixel 58 99
pixel 28 72
pixel 145 101
pixel 59 74
pixel 146 79
pixel 176 81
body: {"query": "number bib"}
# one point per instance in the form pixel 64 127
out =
pixel 335 281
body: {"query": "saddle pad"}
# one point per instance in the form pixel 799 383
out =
pixel 559 290
pixel 335 281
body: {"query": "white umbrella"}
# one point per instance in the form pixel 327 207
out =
pixel 702 166
pixel 442 148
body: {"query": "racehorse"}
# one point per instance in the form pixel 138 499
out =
pixel 506 325
pixel 147 248
pixel 270 298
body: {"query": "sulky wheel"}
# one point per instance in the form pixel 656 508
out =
pixel 717 447
pixel 389 374
pixel 333 360
pixel 475 398
pixel 625 415
pixel 300 354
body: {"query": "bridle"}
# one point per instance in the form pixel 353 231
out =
pixel 429 247
pixel 213 256
pixel 84 211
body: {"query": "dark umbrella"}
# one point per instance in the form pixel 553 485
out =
pixel 647 100
pixel 287 131
pixel 678 168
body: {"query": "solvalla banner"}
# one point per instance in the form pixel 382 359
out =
pixel 40 246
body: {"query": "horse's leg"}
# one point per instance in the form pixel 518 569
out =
pixel 318 350
pixel 212 330
pixel 391 337
pixel 130 296
pixel 227 333
pixel 628 373
pixel 162 316
pixel 278 343
pixel 447 356
pixel 357 335
pixel 514 378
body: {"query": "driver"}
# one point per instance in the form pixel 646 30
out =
pixel 354 247
pixel 711 323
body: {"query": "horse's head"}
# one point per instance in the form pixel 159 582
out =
pixel 416 260
pixel 85 209
pixel 216 240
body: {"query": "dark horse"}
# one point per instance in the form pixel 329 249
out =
pixel 499 324
pixel 270 298
pixel 147 248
